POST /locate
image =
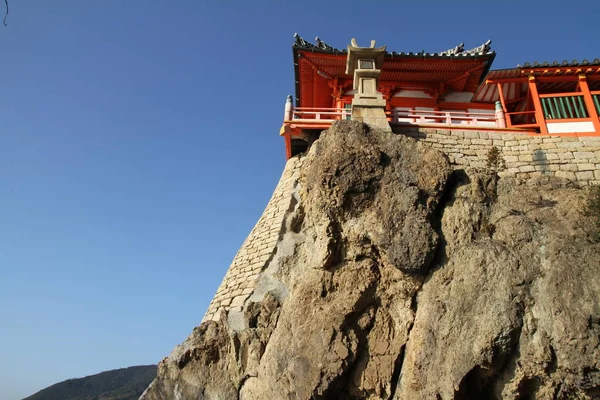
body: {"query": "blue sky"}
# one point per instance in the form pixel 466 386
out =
pixel 139 145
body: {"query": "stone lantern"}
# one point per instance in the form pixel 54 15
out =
pixel 368 105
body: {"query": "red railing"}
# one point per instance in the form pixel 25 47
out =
pixel 521 119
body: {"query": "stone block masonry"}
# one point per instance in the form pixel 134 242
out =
pixel 258 248
pixel 574 158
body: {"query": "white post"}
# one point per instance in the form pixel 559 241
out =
pixel 500 118
pixel 287 116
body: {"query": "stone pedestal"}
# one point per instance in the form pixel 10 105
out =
pixel 372 116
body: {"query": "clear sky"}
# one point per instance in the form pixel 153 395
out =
pixel 139 145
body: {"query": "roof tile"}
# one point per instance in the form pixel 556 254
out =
pixel 565 63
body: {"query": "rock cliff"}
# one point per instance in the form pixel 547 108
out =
pixel 397 277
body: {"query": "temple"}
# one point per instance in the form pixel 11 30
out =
pixel 455 89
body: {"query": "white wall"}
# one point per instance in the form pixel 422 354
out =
pixel 567 127
pixel 413 93
pixel 458 97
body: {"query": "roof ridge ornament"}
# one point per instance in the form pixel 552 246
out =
pixel 323 46
pixel 453 51
pixel 460 50
pixel 301 43
pixel 483 49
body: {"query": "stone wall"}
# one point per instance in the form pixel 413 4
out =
pixel 574 158
pixel 258 248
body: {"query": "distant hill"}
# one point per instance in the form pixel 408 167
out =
pixel 118 384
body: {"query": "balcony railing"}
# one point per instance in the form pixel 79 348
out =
pixel 320 114
pixel 521 119
pixel 397 116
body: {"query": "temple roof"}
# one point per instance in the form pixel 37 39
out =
pixel 316 65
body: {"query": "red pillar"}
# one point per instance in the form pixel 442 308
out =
pixel 539 111
pixel 589 102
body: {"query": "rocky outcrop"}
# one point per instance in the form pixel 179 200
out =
pixel 396 277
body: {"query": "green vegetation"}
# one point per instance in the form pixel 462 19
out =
pixel 119 384
pixel 591 209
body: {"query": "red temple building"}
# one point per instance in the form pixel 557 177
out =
pixel 454 89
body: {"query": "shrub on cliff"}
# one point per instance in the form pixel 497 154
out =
pixel 495 162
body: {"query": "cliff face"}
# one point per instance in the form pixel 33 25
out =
pixel 395 277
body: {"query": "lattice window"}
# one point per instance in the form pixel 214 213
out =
pixel 564 107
